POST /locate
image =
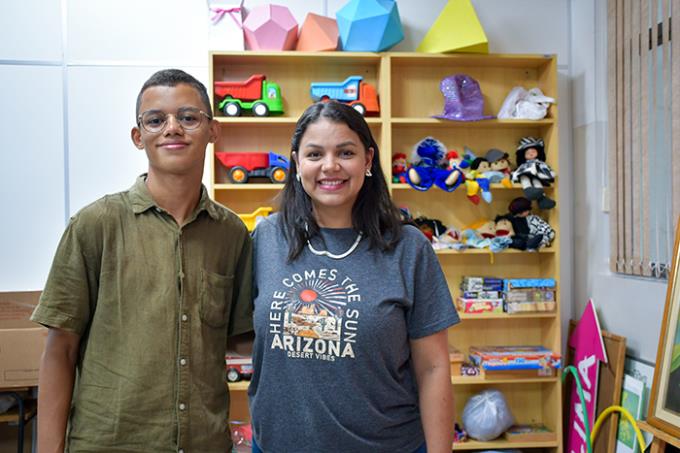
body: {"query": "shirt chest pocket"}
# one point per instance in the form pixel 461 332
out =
pixel 215 298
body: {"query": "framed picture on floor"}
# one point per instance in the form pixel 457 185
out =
pixel 664 406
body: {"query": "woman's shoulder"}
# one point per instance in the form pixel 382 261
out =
pixel 268 226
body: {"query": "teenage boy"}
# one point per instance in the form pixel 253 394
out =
pixel 145 288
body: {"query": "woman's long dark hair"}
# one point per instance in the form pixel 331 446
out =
pixel 373 212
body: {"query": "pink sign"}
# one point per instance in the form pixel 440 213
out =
pixel 586 340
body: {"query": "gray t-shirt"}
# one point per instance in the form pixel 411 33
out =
pixel 333 369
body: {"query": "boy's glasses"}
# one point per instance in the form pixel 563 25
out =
pixel 189 118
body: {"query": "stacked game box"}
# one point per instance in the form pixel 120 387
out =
pixel 481 295
pixel 524 295
pixel 515 358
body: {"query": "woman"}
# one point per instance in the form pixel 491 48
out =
pixel 351 307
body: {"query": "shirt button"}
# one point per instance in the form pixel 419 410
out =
pixel 182 361
pixel 182 406
pixel 184 317
pixel 181 450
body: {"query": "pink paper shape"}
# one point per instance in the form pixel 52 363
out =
pixel 270 27
pixel 589 350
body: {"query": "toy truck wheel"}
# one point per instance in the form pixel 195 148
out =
pixel 260 109
pixel 238 175
pixel 233 375
pixel 232 109
pixel 359 107
pixel 278 175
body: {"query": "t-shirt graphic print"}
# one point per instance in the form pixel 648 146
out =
pixel 315 315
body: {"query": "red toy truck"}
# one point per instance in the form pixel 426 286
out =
pixel 242 166
pixel 257 94
pixel 238 367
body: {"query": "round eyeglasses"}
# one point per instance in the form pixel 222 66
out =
pixel 155 121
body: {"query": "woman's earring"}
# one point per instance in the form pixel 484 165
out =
pixel 299 178
pixel 368 172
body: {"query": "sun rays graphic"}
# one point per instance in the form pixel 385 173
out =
pixel 318 297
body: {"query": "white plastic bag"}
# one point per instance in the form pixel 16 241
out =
pixel 521 104
pixel 487 415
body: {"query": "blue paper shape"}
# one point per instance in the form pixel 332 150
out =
pixel 369 25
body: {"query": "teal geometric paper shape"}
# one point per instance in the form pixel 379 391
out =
pixel 369 25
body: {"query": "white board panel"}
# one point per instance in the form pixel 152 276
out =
pixel 101 113
pixel 31 174
pixel 154 32
pixel 31 30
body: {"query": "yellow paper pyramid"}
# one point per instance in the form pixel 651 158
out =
pixel 457 29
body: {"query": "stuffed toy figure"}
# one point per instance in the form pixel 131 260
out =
pixel 399 168
pixel 431 228
pixel 475 182
pixel 456 165
pixel 429 166
pixel 500 163
pixel 532 172
pixel 483 166
pixel 531 231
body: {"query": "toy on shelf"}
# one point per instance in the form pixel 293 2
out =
pixel 256 94
pixel 459 434
pixel 475 181
pixel 532 171
pixel 353 91
pixel 251 219
pixel 238 367
pixel 243 166
pixel 523 295
pixel 429 166
pixel 399 168
pixel 493 359
pixel 241 436
pixel 530 231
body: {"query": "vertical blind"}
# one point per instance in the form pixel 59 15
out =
pixel 644 134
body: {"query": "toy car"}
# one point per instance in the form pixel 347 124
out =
pixel 353 91
pixel 257 94
pixel 238 367
pixel 242 166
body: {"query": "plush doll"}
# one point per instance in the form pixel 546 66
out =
pixel 431 228
pixel 499 160
pixel 456 165
pixel 531 231
pixel 532 171
pixel 500 167
pixel 482 166
pixel 429 166
pixel 475 182
pixel 449 239
pixel 399 168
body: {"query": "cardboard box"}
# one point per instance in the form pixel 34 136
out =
pixel 456 358
pixel 21 341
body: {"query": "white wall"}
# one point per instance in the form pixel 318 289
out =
pixel 72 68
pixel 628 306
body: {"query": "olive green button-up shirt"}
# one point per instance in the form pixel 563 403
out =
pixel 154 304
